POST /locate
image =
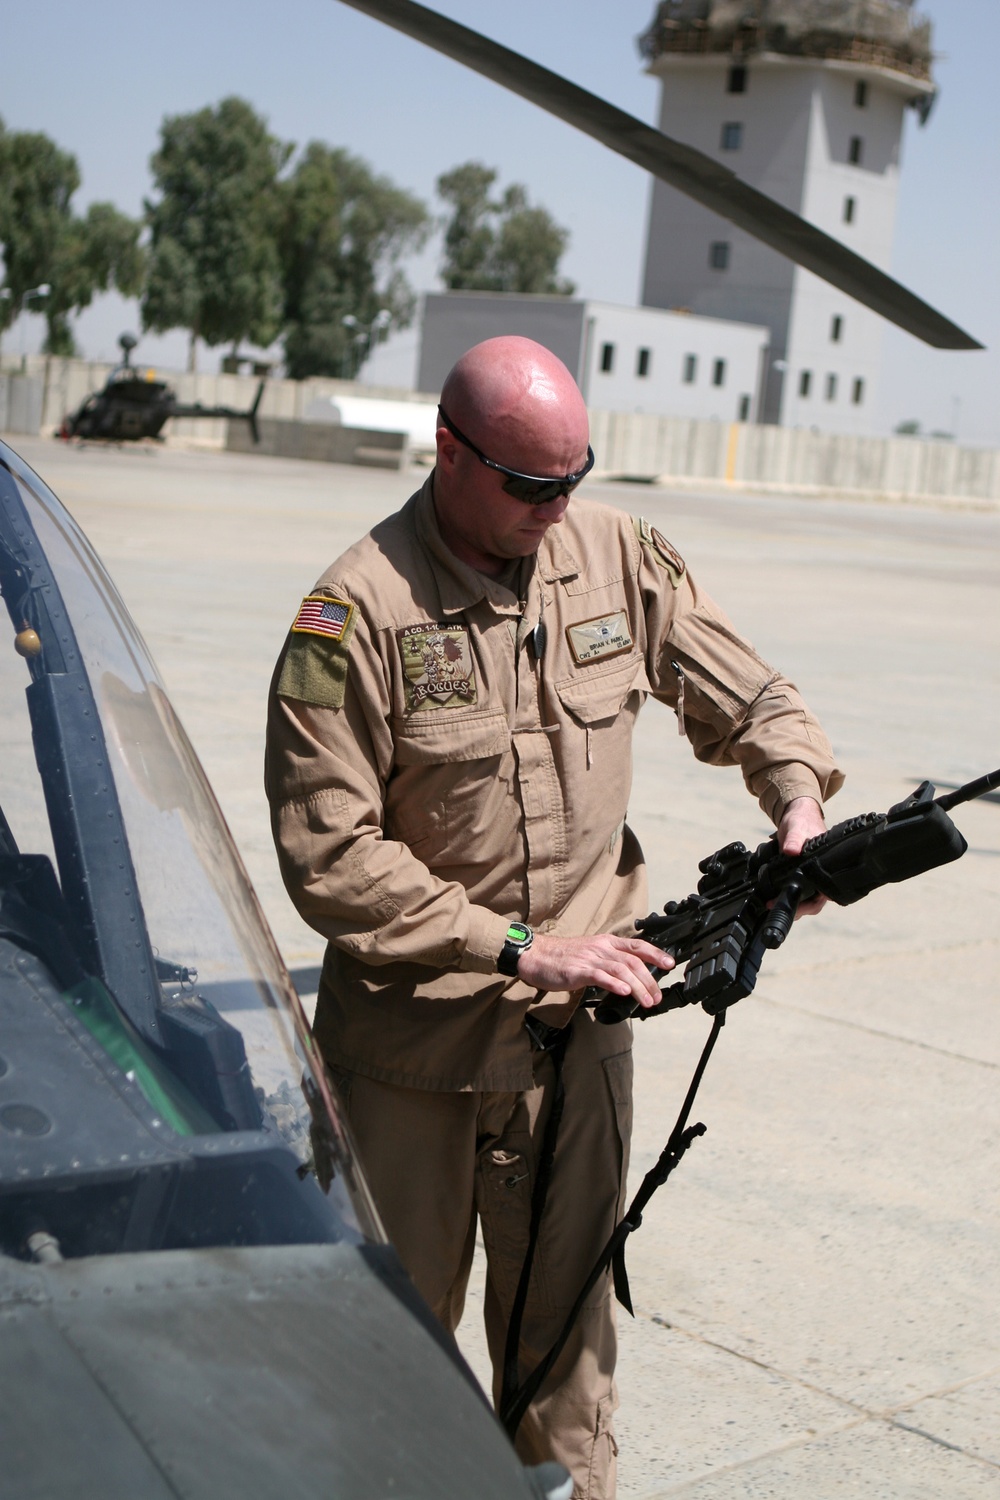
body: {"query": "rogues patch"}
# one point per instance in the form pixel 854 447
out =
pixel 437 666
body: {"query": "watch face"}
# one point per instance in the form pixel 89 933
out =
pixel 517 933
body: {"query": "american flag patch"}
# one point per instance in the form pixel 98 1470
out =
pixel 321 615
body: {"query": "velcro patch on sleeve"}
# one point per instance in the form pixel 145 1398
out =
pixel 667 556
pixel 315 665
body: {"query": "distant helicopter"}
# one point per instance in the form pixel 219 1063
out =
pixel 196 1294
pixel 132 405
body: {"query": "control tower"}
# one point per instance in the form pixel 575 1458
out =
pixel 805 100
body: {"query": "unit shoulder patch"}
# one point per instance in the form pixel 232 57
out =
pixel 597 639
pixel 315 666
pixel 438 668
pixel 667 556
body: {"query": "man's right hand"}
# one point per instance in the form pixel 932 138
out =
pixel 617 964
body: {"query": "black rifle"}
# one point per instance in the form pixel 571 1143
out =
pixel 746 901
pixel 745 904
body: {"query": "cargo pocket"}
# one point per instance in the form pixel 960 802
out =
pixel 603 1455
pixel 618 1075
pixel 505 1215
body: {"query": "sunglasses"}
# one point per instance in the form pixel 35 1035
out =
pixel 531 488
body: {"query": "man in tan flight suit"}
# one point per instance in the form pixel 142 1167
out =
pixel 449 764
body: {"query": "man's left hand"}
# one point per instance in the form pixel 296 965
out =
pixel 802 820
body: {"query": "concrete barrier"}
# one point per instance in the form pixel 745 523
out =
pixel 322 442
pixel 21 399
pixel 679 450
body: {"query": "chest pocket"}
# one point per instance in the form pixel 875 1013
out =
pixel 435 738
pixel 451 784
pixel 591 697
pixel 601 708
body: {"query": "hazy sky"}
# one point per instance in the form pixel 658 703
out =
pixel 100 79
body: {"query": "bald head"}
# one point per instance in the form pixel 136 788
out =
pixel 521 407
pixel 520 404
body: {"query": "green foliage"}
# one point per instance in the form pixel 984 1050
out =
pixel 498 245
pixel 214 265
pixel 45 242
pixel 343 231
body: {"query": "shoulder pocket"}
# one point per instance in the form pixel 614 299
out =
pixel 432 739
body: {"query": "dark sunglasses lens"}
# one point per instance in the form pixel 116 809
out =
pixel 532 492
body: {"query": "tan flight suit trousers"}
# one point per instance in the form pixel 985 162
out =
pixel 437 1161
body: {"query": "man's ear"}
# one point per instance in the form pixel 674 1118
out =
pixel 447 449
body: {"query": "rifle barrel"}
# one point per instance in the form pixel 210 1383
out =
pixel 970 791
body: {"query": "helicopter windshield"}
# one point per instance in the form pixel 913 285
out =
pixel 217 986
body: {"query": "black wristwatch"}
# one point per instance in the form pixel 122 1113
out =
pixel 518 940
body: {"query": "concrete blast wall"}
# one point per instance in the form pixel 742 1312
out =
pixel 639 445
pixel 775 458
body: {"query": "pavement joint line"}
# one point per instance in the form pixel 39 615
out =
pixel 863 1415
pixel 939 1442
pixel 889 1036
pixel 687 1486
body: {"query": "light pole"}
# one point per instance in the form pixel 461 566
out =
pixel 367 336
pixel 35 291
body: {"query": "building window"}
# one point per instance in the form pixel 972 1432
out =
pixel 607 358
pixel 836 328
pixel 719 372
pixel 858 393
pixel 850 204
pixel 718 255
pixel 737 82
pixel 831 387
pixel 732 135
pixel 805 382
pixel 744 415
pixel 690 369
pixel 855 151
pixel 642 362
pixel 861 94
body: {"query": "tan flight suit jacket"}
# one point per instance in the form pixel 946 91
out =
pixel 442 761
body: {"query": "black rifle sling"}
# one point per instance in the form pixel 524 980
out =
pixel 553 1042
pixel 515 1402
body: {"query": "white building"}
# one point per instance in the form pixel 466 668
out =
pixel 805 100
pixel 627 359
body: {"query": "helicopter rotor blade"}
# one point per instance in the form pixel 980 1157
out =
pixel 682 167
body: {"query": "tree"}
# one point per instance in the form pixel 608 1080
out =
pixel 343 232
pixel 214 264
pixel 498 245
pixel 44 242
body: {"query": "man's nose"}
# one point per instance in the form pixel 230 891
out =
pixel 553 510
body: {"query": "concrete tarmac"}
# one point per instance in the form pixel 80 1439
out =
pixel 817 1288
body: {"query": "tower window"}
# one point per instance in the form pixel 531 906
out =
pixel 850 204
pixel 855 151
pixel 744 415
pixel 858 392
pixel 718 255
pixel 642 362
pixel 719 372
pixel 805 382
pixel 607 358
pixel 732 135
pixel 690 368
pixel 737 81
pixel 831 387
pixel 836 328
pixel 861 94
